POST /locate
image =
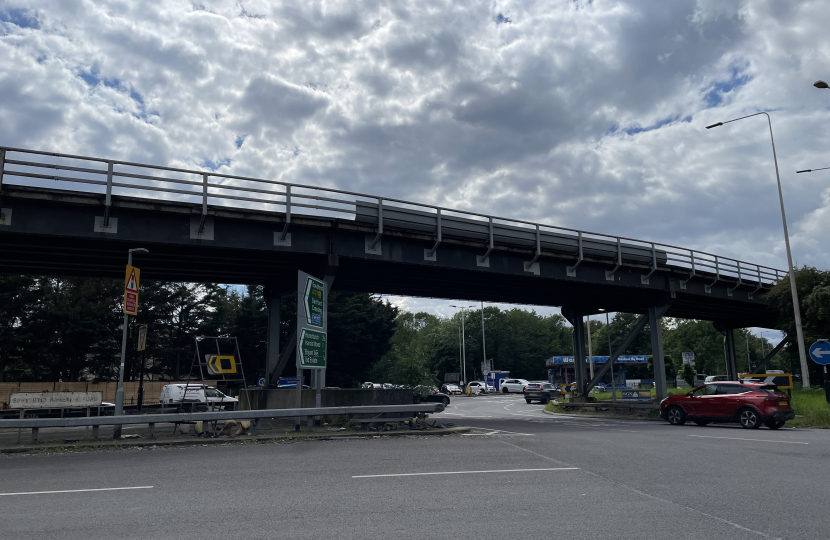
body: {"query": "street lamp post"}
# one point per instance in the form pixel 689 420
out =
pixel 463 344
pixel 483 348
pixel 805 374
pixel 119 394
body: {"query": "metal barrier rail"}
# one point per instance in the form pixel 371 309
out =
pixel 208 188
pixel 211 416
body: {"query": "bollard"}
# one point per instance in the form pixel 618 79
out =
pixel 20 430
pixel 34 434
pixel 151 430
pixel 95 432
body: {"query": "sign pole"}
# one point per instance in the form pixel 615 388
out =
pixel 312 328
pixel 820 353
pixel 119 394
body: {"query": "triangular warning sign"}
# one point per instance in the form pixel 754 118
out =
pixel 132 282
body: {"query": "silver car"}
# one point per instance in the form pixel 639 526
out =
pixel 513 385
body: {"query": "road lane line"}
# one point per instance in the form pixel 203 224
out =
pixel 75 490
pixel 742 439
pixel 466 472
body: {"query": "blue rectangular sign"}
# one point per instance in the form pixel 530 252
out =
pixel 631 359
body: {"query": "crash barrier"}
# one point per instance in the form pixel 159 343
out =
pixel 152 419
pixel 285 398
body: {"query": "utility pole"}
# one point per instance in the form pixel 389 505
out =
pixel 610 354
pixel 483 347
pixel 590 353
pixel 463 344
pixel 119 394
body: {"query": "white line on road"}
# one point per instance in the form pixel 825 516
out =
pixel 466 472
pixel 741 439
pixel 75 490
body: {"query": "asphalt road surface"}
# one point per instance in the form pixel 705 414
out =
pixel 520 474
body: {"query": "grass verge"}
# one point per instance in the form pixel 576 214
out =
pixel 811 409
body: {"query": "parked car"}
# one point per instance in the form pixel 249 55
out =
pixel 543 392
pixel 715 378
pixel 700 378
pixel 513 385
pixel 750 404
pixel 197 393
pixel 451 389
pixel 477 387
pixel 371 385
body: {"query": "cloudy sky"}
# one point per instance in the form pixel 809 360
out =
pixel 586 114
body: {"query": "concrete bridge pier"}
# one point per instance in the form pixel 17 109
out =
pixel 574 316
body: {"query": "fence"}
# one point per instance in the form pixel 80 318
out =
pixel 204 189
pixel 152 389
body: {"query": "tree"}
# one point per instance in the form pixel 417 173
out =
pixel 813 287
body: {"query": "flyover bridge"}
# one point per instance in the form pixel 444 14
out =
pixel 67 215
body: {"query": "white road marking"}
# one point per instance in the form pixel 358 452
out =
pixel 742 439
pixel 496 432
pixel 466 472
pixel 75 490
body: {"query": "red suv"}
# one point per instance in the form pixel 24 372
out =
pixel 751 404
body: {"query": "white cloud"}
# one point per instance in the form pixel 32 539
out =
pixel 586 114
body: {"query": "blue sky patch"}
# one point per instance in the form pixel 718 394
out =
pixel 640 129
pixel 240 139
pixel 213 165
pixel 715 93
pixel 501 19
pixel 19 17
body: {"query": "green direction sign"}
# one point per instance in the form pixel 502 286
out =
pixel 314 298
pixel 312 349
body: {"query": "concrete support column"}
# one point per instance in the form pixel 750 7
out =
pixel 731 360
pixel 580 377
pixel 272 354
pixel 659 360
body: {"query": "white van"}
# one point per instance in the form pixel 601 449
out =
pixel 197 393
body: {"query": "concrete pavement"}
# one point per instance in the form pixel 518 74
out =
pixel 519 473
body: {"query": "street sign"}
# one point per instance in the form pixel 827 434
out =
pixel 311 349
pixel 218 364
pixel 312 325
pixel 782 380
pixel 820 352
pixel 314 301
pixel 142 337
pixel 131 290
pixel 131 279
pixel 637 396
pixel 688 358
pixel 260 383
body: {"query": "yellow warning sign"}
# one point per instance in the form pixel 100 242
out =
pixel 131 279
pixel 218 364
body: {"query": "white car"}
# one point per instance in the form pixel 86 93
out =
pixel 477 387
pixel 197 393
pixel 513 385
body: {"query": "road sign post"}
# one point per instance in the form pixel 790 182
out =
pixel 820 353
pixel 131 298
pixel 312 329
pixel 142 344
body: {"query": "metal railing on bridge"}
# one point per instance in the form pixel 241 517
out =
pixel 210 189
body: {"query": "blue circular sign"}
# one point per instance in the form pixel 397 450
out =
pixel 260 382
pixel 820 352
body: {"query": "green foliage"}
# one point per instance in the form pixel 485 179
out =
pixel 687 373
pixel 813 287
pixel 70 329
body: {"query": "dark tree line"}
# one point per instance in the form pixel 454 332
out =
pixel 54 329
pixel 70 329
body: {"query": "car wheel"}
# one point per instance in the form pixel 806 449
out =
pixel 702 423
pixel 545 401
pixel 775 424
pixel 676 416
pixel 446 401
pixel 749 418
pixel 528 401
pixel 504 390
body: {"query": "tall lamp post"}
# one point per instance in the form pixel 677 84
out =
pixel 463 344
pixel 119 394
pixel 805 374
